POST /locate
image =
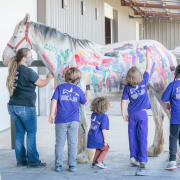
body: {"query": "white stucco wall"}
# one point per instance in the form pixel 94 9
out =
pixel 11 12
pixel 127 28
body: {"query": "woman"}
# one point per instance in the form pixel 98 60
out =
pixel 21 83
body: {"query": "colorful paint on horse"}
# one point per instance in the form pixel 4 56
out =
pixel 106 66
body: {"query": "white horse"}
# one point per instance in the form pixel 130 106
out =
pixel 104 67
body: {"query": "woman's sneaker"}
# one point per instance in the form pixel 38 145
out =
pixel 101 165
pixel 133 162
pixel 41 165
pixel 21 164
pixel 171 165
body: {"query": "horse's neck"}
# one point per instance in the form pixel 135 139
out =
pixel 39 41
pixel 53 52
pixel 61 41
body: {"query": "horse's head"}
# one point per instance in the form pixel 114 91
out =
pixel 19 39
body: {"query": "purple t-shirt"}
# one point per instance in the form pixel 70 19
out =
pixel 95 135
pixel 68 97
pixel 172 95
pixel 137 95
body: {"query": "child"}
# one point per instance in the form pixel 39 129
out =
pixel 98 131
pixel 67 97
pixel 171 98
pixel 136 92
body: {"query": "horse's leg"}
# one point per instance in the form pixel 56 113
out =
pixel 158 116
pixel 178 154
pixel 84 155
pixel 156 148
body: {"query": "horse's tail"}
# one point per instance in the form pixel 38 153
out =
pixel 157 110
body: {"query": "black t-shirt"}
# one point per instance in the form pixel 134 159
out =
pixel 24 92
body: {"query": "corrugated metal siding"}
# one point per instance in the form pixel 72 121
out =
pixel 165 31
pixel 70 20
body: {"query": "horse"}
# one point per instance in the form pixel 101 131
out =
pixel 104 67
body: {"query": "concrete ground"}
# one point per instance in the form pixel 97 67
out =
pixel 117 159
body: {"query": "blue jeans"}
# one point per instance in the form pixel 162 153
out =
pixel 70 131
pixel 173 138
pixel 25 122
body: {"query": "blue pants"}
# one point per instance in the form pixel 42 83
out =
pixel 138 131
pixel 173 138
pixel 25 121
pixel 67 131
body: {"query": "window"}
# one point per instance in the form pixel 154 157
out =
pixel 82 8
pixel 96 13
pixel 64 4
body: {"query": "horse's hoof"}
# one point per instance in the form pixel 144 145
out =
pixel 82 158
pixel 154 151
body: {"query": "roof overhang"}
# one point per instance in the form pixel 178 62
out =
pixel 154 8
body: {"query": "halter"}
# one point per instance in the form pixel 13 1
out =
pixel 14 48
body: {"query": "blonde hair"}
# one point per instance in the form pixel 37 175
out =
pixel 73 75
pixel 13 66
pixel 134 76
pixel 100 105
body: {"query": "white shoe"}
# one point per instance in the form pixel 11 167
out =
pixel 171 165
pixel 133 162
pixel 101 165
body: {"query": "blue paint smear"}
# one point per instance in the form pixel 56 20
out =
pixel 152 69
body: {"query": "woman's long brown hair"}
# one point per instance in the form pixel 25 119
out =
pixel 12 68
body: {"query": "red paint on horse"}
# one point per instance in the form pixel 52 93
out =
pixel 80 61
pixel 48 62
pixel 105 61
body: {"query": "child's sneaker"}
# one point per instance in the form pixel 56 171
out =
pixel 171 165
pixel 58 168
pixel 93 165
pixel 101 165
pixel 142 165
pixel 72 168
pixel 133 162
pixel 104 164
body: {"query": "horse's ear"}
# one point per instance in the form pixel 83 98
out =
pixel 26 18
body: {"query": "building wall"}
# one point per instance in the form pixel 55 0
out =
pixel 126 27
pixel 165 31
pixel 11 12
pixel 70 20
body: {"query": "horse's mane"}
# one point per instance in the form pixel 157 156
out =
pixel 49 32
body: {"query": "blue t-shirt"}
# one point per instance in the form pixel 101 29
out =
pixel 95 135
pixel 137 95
pixel 68 97
pixel 24 87
pixel 172 95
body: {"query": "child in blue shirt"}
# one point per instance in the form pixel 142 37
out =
pixel 66 98
pixel 97 135
pixel 171 98
pixel 136 92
